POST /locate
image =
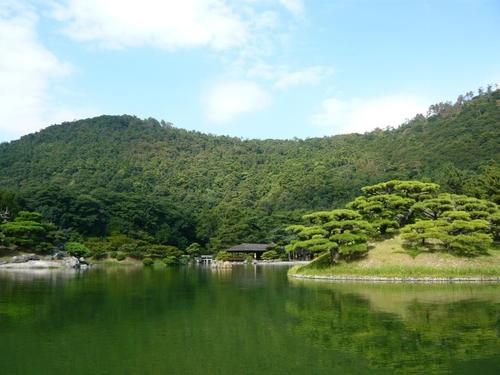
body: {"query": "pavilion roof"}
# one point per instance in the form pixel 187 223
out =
pixel 249 247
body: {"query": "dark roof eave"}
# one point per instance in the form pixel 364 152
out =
pixel 250 248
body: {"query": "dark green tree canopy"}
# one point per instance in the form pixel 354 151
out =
pixel 427 220
pixel 120 174
pixel 341 232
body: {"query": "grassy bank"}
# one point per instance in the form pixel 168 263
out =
pixel 389 259
pixel 110 262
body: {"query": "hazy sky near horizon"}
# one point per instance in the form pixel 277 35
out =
pixel 248 68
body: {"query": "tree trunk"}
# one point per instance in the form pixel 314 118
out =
pixel 334 256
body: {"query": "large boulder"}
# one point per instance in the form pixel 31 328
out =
pixel 58 255
pixel 71 262
pixel 83 262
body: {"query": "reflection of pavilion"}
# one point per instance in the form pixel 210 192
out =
pixel 256 249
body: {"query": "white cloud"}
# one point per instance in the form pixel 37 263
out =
pixel 27 70
pixel 160 23
pixel 283 77
pixel 310 75
pixel 362 115
pixel 226 100
pixel 294 6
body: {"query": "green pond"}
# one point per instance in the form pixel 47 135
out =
pixel 247 320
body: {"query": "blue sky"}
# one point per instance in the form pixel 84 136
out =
pixel 248 68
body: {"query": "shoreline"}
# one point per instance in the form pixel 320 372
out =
pixel 388 261
pixel 228 264
pixel 282 263
pixel 472 279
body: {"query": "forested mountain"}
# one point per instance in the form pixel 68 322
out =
pixel 121 174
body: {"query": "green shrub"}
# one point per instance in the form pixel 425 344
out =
pixel 223 256
pixel 113 254
pixel 163 251
pixel 116 241
pixel 128 248
pixel 148 262
pixel 98 246
pixel 77 249
pixel 271 254
pixel 170 260
pixel 44 248
pixel 138 253
pixel 120 256
pixel 98 253
pixel 194 249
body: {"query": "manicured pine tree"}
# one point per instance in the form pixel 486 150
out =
pixel 26 230
pixel 420 234
pixel 455 232
pixel 433 208
pixel 464 237
pixel 312 240
pixel 416 190
pixel 494 223
pixel 342 232
pixel 383 211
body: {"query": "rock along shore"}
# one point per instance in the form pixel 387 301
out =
pixel 32 261
pixel 397 279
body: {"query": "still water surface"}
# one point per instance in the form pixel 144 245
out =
pixel 249 320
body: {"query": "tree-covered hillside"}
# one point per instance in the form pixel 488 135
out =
pixel 120 174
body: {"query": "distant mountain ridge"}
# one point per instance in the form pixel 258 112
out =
pixel 240 189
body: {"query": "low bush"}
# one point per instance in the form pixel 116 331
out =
pixel 148 262
pixel 269 255
pixel 224 256
pixel 77 249
pixel 120 256
pixel 170 260
pixel 44 248
pixel 98 254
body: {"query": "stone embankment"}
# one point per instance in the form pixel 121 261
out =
pixel 398 279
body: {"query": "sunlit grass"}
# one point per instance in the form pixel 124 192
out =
pixel 390 259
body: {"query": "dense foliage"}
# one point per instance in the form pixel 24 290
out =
pixel 114 176
pixel 428 221
pixel 457 223
pixel 341 232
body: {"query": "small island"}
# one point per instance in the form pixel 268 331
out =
pixel 402 231
pixel 388 260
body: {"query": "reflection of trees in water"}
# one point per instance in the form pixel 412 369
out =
pixel 43 297
pixel 124 294
pixel 135 316
pixel 179 321
pixel 429 337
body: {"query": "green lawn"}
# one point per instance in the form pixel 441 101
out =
pixel 389 259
